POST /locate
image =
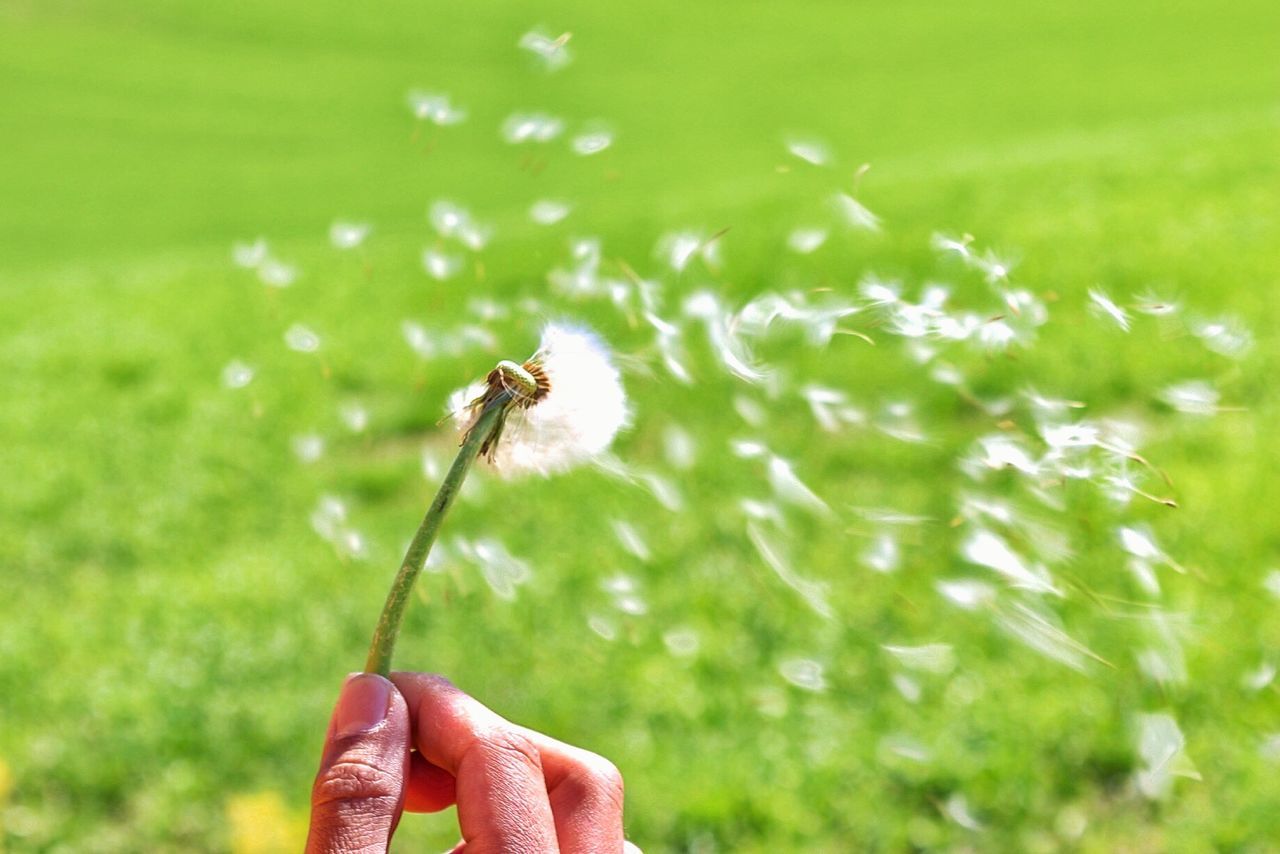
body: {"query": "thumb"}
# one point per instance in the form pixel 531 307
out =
pixel 359 791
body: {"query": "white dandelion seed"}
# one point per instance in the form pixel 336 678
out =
pixel 301 338
pixel 574 415
pixel 435 107
pixel 249 255
pixel 1161 747
pixel 1103 304
pixel 1194 397
pixel 308 447
pixel 593 140
pixel 237 374
pixel 854 213
pixel 806 240
pixel 804 673
pixel 988 549
pixel 441 265
pixel 348 235
pixel 277 274
pixel 1226 336
pixel 549 211
pixel 551 51
pixel 809 149
pixel 531 127
pixel 937 658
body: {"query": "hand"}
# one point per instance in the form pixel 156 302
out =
pixel 421 745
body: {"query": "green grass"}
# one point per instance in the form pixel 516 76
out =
pixel 172 633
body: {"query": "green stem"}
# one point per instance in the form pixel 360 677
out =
pixel 384 636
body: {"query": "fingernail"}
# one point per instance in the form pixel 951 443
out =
pixel 362 705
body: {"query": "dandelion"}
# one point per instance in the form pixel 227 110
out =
pixel 569 413
pixel 562 406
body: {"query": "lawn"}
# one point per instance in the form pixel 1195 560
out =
pixel 174 627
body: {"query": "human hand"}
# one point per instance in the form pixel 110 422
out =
pixel 422 745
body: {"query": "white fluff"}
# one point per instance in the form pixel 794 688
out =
pixel 577 419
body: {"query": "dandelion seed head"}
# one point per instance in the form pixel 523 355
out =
pixel 582 411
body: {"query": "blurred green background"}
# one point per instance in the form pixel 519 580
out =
pixel 173 632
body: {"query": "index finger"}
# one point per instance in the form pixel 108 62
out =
pixel 501 789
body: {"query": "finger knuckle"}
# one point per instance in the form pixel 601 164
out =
pixel 509 748
pixel 598 779
pixel 354 783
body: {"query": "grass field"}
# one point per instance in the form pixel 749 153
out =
pixel 173 631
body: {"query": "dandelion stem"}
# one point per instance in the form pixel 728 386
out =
pixel 384 636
